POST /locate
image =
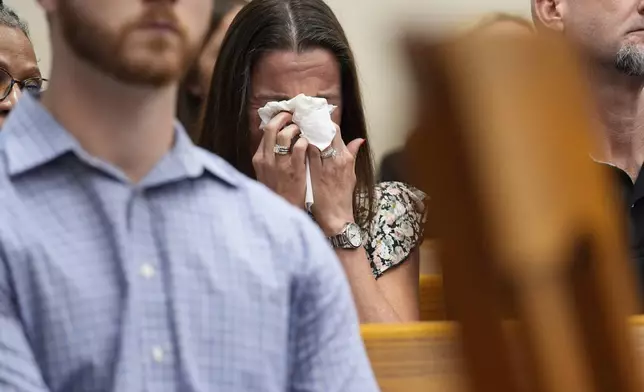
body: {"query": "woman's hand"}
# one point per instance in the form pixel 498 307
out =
pixel 334 181
pixel 284 174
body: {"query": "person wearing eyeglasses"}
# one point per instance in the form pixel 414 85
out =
pixel 19 70
pixel 133 260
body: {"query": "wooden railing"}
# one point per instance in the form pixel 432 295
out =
pixel 425 357
pixel 414 357
pixel 432 300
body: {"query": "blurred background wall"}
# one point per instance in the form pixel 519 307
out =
pixel 374 28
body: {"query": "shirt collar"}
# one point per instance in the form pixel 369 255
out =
pixel 601 161
pixel 31 138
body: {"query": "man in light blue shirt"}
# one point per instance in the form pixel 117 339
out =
pixel 131 260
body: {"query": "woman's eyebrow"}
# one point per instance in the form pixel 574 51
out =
pixel 282 97
pixel 329 94
pixel 272 97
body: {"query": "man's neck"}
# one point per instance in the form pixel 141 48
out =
pixel 130 127
pixel 621 117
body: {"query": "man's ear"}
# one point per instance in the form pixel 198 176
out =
pixel 548 14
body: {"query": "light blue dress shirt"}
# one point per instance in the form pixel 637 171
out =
pixel 196 279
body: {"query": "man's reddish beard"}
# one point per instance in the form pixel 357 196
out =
pixel 108 50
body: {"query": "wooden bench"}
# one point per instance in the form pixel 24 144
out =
pixel 426 357
pixel 432 301
pixel 414 357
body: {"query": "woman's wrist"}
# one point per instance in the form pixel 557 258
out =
pixel 335 225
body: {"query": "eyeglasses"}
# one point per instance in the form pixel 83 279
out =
pixel 32 85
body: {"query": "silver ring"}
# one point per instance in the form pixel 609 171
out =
pixel 329 153
pixel 281 150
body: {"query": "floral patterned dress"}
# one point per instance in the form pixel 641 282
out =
pixel 397 226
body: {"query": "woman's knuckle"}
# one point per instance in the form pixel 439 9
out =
pixel 299 148
pixel 282 165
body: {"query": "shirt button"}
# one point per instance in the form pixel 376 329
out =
pixel 147 271
pixel 157 354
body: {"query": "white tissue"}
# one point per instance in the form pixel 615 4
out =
pixel 313 116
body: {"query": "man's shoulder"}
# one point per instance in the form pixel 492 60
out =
pixel 267 217
pixel 260 200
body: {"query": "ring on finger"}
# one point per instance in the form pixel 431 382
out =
pixel 281 150
pixel 329 153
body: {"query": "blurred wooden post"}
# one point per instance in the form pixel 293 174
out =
pixel 526 221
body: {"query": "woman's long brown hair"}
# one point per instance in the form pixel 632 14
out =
pixel 268 25
pixel 189 106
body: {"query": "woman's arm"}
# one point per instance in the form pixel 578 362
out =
pixel 393 298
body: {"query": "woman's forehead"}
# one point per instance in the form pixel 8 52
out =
pixel 283 71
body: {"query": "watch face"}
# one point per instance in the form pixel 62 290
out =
pixel 354 235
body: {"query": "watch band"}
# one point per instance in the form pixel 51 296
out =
pixel 342 241
pixel 339 241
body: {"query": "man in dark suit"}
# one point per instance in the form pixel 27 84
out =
pixel 610 36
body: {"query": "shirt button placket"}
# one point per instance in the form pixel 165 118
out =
pixel 157 354
pixel 147 271
pixel 154 314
